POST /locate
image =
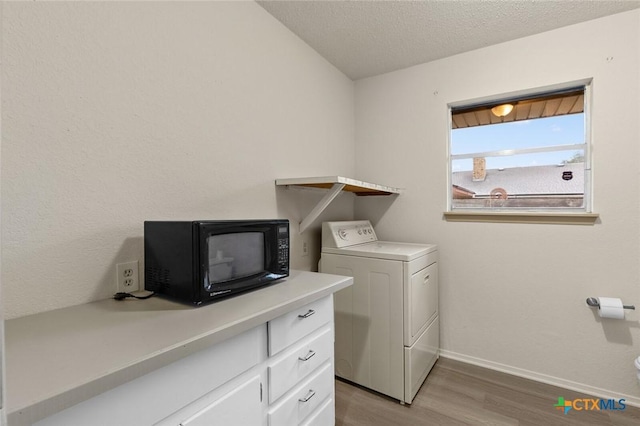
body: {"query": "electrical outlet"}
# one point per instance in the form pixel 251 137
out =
pixel 305 249
pixel 127 278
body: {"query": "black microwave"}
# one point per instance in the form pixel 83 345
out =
pixel 204 261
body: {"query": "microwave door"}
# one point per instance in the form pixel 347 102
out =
pixel 233 256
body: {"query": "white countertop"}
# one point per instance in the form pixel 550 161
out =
pixel 59 358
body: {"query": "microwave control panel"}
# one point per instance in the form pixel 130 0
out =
pixel 283 246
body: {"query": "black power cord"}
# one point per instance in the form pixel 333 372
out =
pixel 122 296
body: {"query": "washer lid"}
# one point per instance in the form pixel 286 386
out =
pixel 385 250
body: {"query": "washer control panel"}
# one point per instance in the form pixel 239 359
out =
pixel 345 234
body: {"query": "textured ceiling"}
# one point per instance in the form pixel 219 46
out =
pixel 366 38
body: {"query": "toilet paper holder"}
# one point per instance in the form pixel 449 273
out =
pixel 592 301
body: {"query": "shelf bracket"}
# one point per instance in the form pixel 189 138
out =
pixel 319 208
pixel 334 185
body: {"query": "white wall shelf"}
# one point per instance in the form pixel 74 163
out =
pixel 335 184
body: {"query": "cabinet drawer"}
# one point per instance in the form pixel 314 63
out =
pixel 304 399
pixel 323 416
pixel 240 407
pixel 291 327
pixel 299 361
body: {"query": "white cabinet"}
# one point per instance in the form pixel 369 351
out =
pixel 300 368
pixel 299 361
pixel 283 376
pixel 143 362
pixel 295 384
pixel 301 402
pixel 241 407
pixel 291 327
pixel 192 381
pixel 323 416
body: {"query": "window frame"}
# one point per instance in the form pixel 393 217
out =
pixel 582 215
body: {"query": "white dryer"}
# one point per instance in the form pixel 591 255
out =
pixel 386 323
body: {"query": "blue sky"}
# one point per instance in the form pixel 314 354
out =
pixel 551 131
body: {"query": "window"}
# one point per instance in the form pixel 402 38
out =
pixel 521 154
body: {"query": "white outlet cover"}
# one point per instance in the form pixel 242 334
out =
pixel 127 277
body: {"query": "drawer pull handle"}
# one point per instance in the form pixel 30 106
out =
pixel 307 315
pixel 427 278
pixel 308 356
pixel 308 397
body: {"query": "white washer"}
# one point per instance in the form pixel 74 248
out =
pixel 386 323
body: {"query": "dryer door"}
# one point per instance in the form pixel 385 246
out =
pixel 423 300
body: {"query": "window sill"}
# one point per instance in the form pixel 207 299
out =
pixel 523 217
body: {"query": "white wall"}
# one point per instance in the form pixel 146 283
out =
pixel 513 295
pixel 114 113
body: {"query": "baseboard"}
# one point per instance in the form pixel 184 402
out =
pixel 543 378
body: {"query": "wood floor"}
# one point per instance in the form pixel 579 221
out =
pixel 456 393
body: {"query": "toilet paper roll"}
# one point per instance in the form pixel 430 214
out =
pixel 610 307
